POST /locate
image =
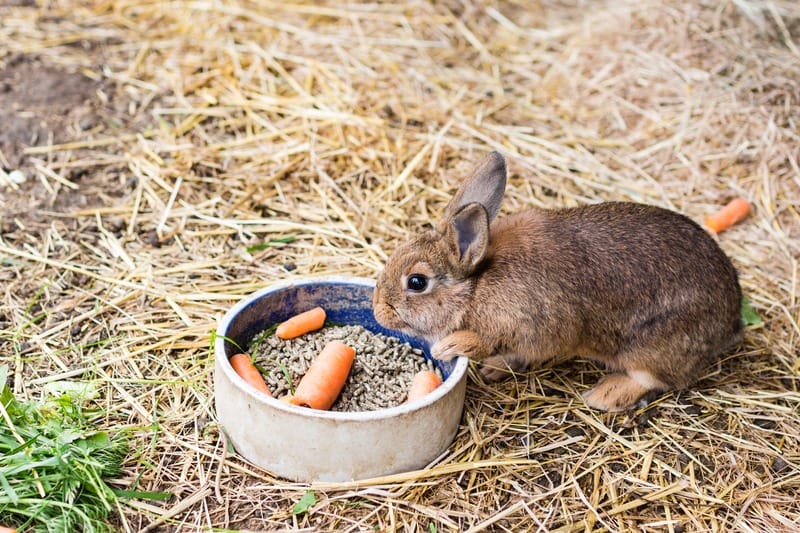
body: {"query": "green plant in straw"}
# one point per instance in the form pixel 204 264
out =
pixel 53 462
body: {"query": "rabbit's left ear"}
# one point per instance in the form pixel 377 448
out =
pixel 468 234
pixel 485 186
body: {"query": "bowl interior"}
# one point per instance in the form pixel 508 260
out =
pixel 346 301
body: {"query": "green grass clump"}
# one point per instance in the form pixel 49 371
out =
pixel 54 463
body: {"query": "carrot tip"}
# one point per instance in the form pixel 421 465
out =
pixel 733 212
pixel 301 323
pixel 246 370
pixel 295 401
pixel 423 383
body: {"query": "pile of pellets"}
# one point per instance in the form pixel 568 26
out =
pixel 380 377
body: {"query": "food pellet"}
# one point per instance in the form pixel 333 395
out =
pixel 382 370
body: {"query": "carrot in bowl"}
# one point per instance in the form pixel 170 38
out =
pixel 423 383
pixel 243 366
pixel 729 215
pixel 325 378
pixel 305 322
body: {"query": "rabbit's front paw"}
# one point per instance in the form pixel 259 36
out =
pixel 461 342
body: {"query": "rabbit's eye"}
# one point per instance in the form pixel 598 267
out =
pixel 417 283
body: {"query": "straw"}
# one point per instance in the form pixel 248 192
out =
pixel 222 126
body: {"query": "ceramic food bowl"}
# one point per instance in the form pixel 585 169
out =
pixel 304 444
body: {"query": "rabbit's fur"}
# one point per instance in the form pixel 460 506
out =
pixel 642 289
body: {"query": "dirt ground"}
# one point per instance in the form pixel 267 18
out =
pixel 161 141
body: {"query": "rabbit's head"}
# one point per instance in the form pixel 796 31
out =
pixel 427 284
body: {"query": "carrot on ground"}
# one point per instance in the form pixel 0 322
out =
pixel 305 322
pixel 4 529
pixel 423 383
pixel 729 215
pixel 325 378
pixel 243 366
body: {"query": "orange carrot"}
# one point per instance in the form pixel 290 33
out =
pixel 729 215
pixel 4 529
pixel 243 366
pixel 310 320
pixel 423 383
pixel 325 378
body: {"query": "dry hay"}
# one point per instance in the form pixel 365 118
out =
pixel 346 126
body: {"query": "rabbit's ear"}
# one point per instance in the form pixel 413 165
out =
pixel 485 186
pixel 468 233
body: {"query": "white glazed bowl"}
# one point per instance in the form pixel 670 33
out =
pixel 311 445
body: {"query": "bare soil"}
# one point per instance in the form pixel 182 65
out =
pixel 43 104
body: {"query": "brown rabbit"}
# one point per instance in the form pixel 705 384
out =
pixel 643 290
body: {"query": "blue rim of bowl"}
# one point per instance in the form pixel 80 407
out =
pixel 457 373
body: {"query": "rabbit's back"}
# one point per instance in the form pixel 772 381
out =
pixel 601 275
